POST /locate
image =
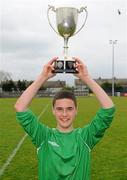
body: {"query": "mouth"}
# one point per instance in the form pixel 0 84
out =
pixel 64 119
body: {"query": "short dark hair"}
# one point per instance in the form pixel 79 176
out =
pixel 65 94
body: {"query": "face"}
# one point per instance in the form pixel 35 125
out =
pixel 65 112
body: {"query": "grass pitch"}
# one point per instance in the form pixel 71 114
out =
pixel 109 157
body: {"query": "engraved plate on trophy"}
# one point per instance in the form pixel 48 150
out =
pixel 66 21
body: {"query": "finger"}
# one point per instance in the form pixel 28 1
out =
pixel 77 59
pixel 78 65
pixel 52 67
pixel 52 60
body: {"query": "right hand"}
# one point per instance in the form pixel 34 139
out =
pixel 48 69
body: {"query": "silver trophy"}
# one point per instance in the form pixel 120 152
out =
pixel 66 20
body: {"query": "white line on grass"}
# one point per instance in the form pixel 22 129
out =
pixel 12 155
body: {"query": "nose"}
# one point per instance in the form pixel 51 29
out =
pixel 64 113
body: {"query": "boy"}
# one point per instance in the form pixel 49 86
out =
pixel 64 152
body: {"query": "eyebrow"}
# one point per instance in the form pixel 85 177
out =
pixel 70 107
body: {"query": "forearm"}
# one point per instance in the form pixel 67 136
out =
pixel 25 99
pixel 101 95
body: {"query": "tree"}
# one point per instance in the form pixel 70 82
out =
pixel 119 88
pixel 9 85
pixel 21 85
pixel 107 87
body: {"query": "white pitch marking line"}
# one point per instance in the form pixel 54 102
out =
pixel 12 155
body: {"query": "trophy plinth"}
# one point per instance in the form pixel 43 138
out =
pixel 66 20
pixel 65 66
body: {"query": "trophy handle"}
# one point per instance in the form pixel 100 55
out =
pixel 54 10
pixel 79 11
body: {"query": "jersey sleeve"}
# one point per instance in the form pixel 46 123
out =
pixel 93 132
pixel 30 123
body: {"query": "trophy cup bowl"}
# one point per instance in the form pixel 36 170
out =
pixel 66 22
pixel 66 19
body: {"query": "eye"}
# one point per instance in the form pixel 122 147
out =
pixel 59 109
pixel 70 108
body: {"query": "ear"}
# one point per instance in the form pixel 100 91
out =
pixel 76 110
pixel 53 111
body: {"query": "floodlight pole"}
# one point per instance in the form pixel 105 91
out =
pixel 113 42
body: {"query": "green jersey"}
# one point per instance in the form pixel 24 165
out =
pixel 65 156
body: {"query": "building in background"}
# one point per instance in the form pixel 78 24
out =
pixel 120 88
pixel 121 81
pixel 80 88
pixel 16 88
pixel 52 87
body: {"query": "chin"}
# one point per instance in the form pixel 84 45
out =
pixel 66 126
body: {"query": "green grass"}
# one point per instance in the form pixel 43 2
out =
pixel 109 157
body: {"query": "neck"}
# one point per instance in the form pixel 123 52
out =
pixel 66 130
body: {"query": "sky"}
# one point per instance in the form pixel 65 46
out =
pixel 27 42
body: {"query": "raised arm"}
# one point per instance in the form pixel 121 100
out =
pixel 101 95
pixel 25 99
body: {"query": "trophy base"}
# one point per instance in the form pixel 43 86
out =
pixel 65 66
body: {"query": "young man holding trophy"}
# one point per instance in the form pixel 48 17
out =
pixel 64 153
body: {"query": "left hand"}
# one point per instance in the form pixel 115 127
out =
pixel 81 68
